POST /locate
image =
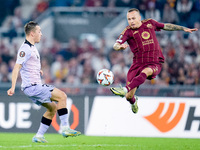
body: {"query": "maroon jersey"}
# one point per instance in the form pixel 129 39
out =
pixel 143 42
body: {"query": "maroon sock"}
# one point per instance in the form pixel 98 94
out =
pixel 132 100
pixel 138 80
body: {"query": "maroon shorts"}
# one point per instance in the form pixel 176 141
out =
pixel 137 68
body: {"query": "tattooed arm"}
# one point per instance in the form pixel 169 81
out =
pixel 173 27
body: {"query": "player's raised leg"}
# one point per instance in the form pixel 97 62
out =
pixel 130 89
pixel 130 96
pixel 61 98
pixel 133 99
pixel 120 91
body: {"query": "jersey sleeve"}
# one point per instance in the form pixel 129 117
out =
pixel 123 37
pixel 22 56
pixel 158 26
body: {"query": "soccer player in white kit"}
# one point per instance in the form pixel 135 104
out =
pixel 28 63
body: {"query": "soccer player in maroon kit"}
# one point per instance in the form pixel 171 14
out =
pixel 148 58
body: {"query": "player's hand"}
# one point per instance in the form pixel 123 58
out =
pixel 11 91
pixel 190 30
pixel 41 73
pixel 118 46
pixel 123 46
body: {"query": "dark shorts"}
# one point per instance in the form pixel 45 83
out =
pixel 137 68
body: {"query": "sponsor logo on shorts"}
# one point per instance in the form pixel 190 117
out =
pixel 155 69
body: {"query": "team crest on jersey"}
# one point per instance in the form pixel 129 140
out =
pixel 22 54
pixel 145 35
pixel 149 25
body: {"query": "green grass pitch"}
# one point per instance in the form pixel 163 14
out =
pixel 22 141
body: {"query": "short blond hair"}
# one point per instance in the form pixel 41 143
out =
pixel 133 9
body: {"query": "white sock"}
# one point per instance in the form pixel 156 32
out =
pixel 125 89
pixel 42 130
pixel 64 119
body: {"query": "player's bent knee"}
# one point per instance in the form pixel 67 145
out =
pixel 58 95
pixel 53 108
pixel 148 71
pixel 63 96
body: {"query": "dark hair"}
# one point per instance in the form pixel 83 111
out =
pixel 133 9
pixel 30 26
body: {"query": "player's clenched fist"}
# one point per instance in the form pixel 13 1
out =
pixel 10 92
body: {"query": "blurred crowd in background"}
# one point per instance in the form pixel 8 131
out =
pixel 80 61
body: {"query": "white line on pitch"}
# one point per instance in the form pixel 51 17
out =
pixel 74 145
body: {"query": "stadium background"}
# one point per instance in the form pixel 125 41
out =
pixel 77 42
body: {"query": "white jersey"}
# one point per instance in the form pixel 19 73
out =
pixel 28 56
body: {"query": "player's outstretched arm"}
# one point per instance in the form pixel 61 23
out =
pixel 15 73
pixel 173 27
pixel 118 46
